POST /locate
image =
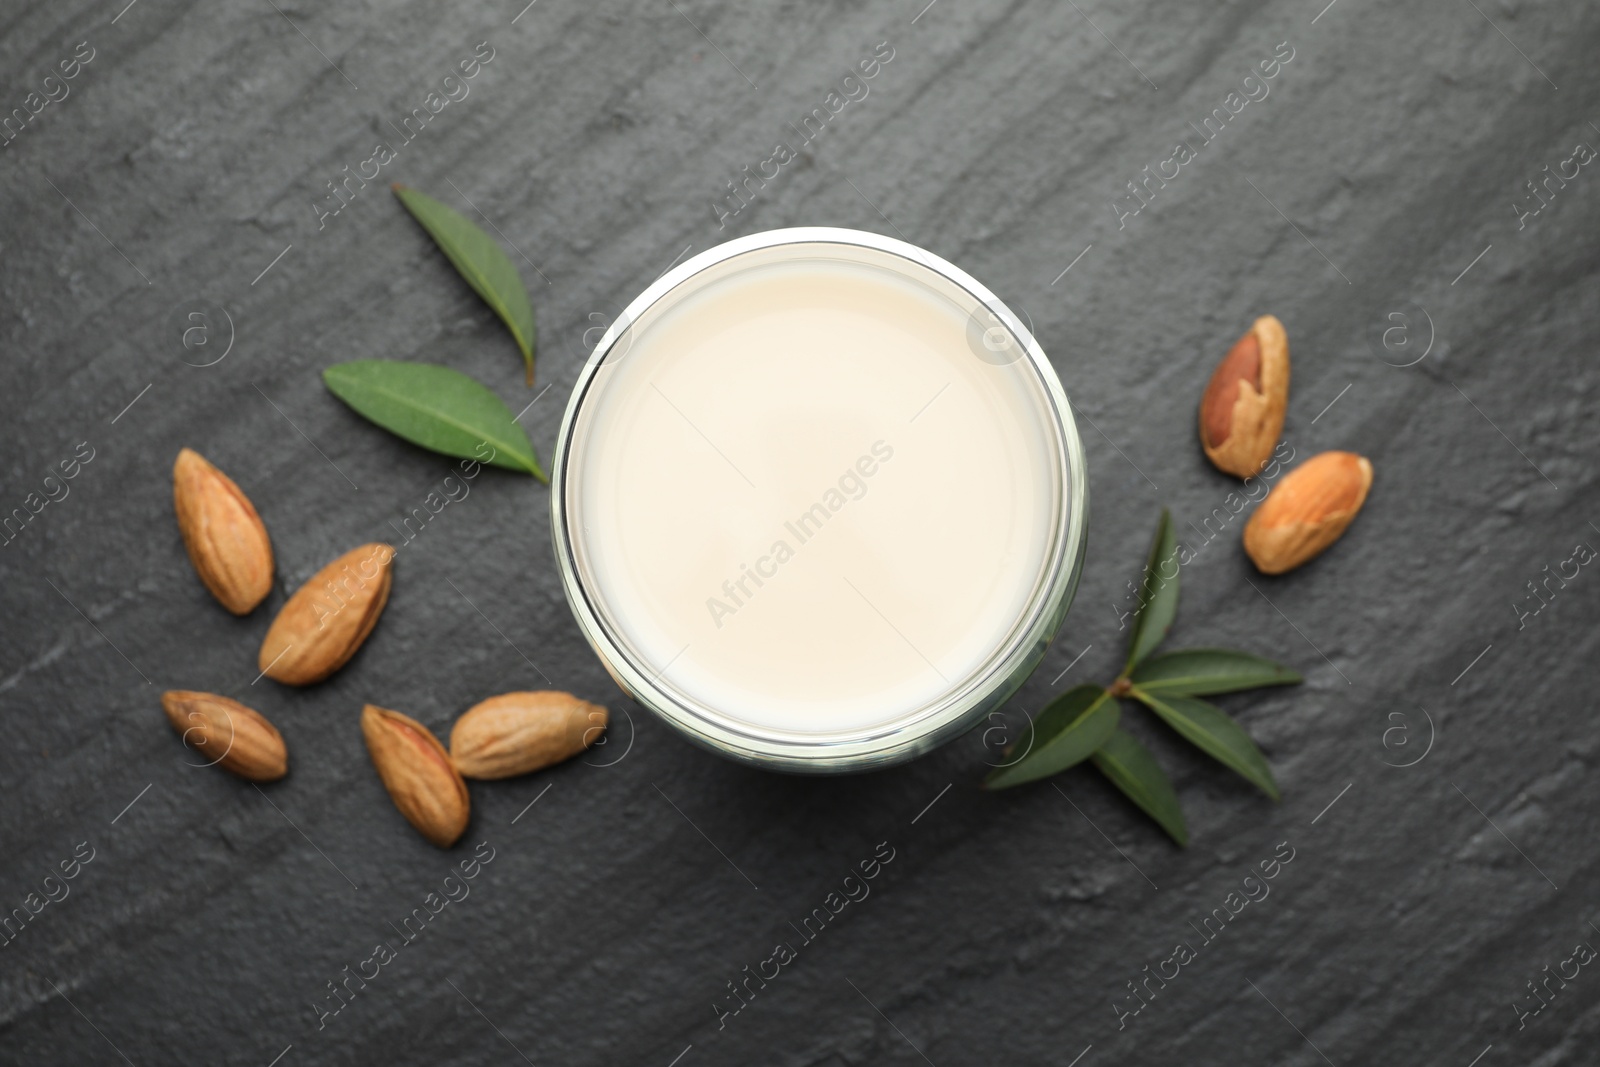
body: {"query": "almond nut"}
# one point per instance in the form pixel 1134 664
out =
pixel 228 734
pixel 417 771
pixel 1241 413
pixel 1307 511
pixel 325 622
pixel 226 539
pixel 515 733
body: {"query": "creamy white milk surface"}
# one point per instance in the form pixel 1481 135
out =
pixel 803 500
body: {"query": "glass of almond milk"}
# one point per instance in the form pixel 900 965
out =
pixel 818 500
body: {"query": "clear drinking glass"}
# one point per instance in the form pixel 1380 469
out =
pixel 994 336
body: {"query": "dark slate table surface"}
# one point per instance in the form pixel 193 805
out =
pixel 1437 765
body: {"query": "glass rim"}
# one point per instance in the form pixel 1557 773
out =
pixel 965 701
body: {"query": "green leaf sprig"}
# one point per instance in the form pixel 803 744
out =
pixel 1082 723
pixel 481 262
pixel 436 407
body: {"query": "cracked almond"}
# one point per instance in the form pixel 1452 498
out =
pixel 228 734
pixel 1308 511
pixel 1241 412
pixel 417 772
pixel 225 537
pixel 516 733
pixel 326 621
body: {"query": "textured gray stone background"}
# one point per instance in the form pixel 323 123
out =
pixel 1386 160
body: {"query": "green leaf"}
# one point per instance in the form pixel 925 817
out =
pixel 1066 732
pixel 1210 729
pixel 1196 672
pixel 435 407
pixel 1158 595
pixel 481 262
pixel 1132 769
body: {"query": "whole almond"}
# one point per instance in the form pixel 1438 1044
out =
pixel 515 733
pixel 321 626
pixel 230 735
pixel 1307 511
pixel 417 772
pixel 1241 412
pixel 226 539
